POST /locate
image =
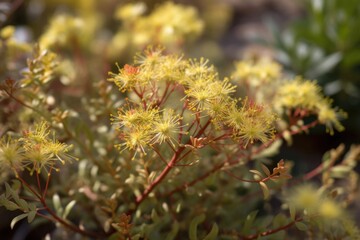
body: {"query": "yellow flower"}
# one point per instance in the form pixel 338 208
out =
pixel 127 78
pixel 251 122
pixel 330 117
pixel 256 72
pixel 167 127
pixel 42 151
pixel 298 93
pixel 329 209
pixel 11 153
pixel 305 197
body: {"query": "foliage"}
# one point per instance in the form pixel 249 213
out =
pixel 161 147
pixel 323 45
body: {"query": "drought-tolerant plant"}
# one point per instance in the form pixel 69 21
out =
pixel 164 148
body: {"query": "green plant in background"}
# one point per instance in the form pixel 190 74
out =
pixel 162 147
pixel 324 45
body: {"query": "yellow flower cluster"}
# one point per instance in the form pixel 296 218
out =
pixel 306 95
pixel 251 122
pixel 11 153
pixel 141 127
pixel 11 49
pixel 41 68
pixel 256 72
pixel 200 89
pixel 35 148
pixel 151 68
pixel 309 199
pixel 168 24
pixel 65 30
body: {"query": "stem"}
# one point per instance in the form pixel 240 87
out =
pixel 28 186
pixel 202 177
pixel 166 170
pixel 272 231
pixel 47 182
pixel 68 225
pixel 245 180
pixel 38 181
pixel 26 105
pixel 54 215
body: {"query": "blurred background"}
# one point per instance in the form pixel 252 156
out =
pixel 317 39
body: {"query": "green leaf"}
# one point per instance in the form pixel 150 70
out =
pixel 31 216
pixel 292 211
pixel 326 65
pixel 174 231
pixel 57 204
pixel 17 219
pixel 213 233
pixel 265 190
pixel 68 208
pixel 249 222
pixel 10 192
pixel 9 205
pixel 280 220
pixel 16 184
pixel 154 216
pixel 23 204
pixel 301 226
pixel 193 226
pixel 265 169
pixel 32 206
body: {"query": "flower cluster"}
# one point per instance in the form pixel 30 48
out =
pixel 65 30
pixel 306 95
pixel 255 72
pixel 155 76
pixel 144 127
pixel 35 148
pixel 168 24
pixel 312 202
pixel 251 122
pixel 41 68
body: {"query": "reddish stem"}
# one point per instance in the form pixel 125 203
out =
pixel 166 170
pixel 272 231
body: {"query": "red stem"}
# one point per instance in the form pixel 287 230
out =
pixel 166 170
pixel 272 231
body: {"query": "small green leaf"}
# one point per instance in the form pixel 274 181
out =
pixel 301 226
pixel 17 219
pixel 32 206
pixel 10 192
pixel 265 190
pixel 326 65
pixel 68 208
pixel 292 211
pixel 23 204
pixel 31 216
pixel 174 231
pixel 16 184
pixel 9 205
pixel 265 169
pixel 154 216
pixel 57 204
pixel 280 220
pixel 193 226
pixel 213 233
pixel 249 222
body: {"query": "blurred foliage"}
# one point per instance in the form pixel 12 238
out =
pixel 324 44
